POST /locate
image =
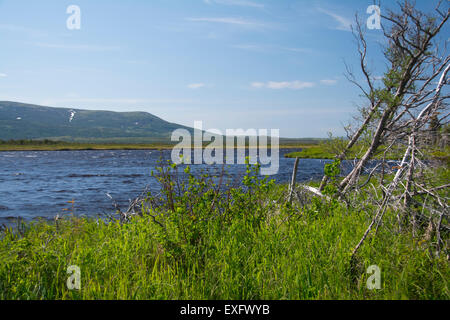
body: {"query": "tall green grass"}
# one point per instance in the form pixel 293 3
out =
pixel 196 241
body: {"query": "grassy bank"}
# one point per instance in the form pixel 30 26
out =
pixel 197 243
pixel 311 152
pixel 83 146
pixel 322 151
pixel 34 145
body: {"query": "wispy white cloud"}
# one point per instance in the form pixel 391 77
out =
pixel 20 29
pixel 299 50
pixel 344 24
pixel 328 82
pixel 252 47
pixel 111 101
pixel 229 20
pixel 296 111
pixel 241 3
pixel 196 85
pixel 294 85
pixel 3 75
pixel 261 47
pixel 87 47
pixel 258 84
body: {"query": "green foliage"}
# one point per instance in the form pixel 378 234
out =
pixel 332 171
pixel 184 209
pixel 203 239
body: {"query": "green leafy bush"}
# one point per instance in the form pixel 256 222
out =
pixel 203 238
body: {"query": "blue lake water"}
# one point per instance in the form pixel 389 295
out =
pixel 37 184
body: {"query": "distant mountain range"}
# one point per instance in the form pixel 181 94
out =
pixel 20 121
pixel 27 121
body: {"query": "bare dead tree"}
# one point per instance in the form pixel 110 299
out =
pixel 414 66
pixel 293 180
pixel 398 113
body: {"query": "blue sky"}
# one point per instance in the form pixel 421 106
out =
pixel 231 63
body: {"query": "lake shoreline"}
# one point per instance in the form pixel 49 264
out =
pixel 6 148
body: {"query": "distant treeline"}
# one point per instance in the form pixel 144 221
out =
pixel 162 142
pixel 25 142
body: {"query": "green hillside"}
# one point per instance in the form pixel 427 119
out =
pixel 26 121
pixel 20 121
